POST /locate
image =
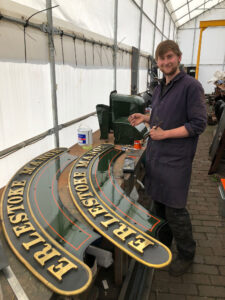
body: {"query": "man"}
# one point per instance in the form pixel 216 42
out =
pixel 178 117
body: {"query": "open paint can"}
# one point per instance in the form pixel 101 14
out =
pixel 85 136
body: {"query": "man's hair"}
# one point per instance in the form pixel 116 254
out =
pixel 166 46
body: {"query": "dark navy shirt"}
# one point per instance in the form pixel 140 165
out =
pixel 169 161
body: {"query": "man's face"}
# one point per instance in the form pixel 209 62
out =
pixel 169 63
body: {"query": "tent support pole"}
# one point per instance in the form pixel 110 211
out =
pixel 115 48
pixel 52 71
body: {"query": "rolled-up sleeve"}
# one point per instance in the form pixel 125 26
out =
pixel 196 109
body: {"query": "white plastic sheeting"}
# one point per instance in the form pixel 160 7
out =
pixel 149 8
pixel 158 39
pixel 9 165
pixel 25 102
pixel 77 13
pixel 147 35
pixel 80 90
pixel 167 24
pixel 128 34
pixel 160 15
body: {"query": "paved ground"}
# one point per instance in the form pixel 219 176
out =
pixel 206 277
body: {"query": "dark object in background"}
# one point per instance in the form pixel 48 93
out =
pixel 147 96
pixel 103 113
pixel 191 71
pixel 219 106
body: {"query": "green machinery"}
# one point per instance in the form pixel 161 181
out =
pixel 115 117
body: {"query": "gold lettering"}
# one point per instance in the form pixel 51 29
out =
pixel 89 202
pixel 27 170
pixel 57 151
pixel 81 188
pixel 82 164
pixel 20 217
pixel 34 242
pixel 46 254
pixel 15 200
pixel 18 230
pixel 36 163
pixel 49 154
pixel 82 196
pixel 123 232
pixel 79 181
pixel 42 158
pixel 79 174
pixel 16 192
pixel 140 243
pixel 88 157
pixel 11 208
pixel 19 183
pixel 97 210
pixel 96 150
pixel 62 268
pixel 109 222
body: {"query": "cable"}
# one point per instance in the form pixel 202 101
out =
pixel 26 24
pixel 40 12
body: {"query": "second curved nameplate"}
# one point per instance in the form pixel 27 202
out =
pixel 106 214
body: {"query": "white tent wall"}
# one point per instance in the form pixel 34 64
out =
pixel 213 45
pixel 25 100
pixel 10 164
pixel 143 66
pixel 160 15
pixel 84 70
pixel 147 35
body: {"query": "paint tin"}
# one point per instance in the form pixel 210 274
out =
pixel 85 137
pixel 137 144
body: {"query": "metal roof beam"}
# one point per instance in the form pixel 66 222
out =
pixel 203 11
pixel 181 6
pixel 188 10
pixel 193 10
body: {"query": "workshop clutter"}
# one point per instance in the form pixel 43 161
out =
pixel 217 100
pixel 115 117
pixel 222 197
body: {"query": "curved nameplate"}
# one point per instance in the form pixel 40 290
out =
pixel 106 219
pixel 40 231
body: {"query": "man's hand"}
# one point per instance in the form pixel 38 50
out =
pixel 157 133
pixel 136 119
